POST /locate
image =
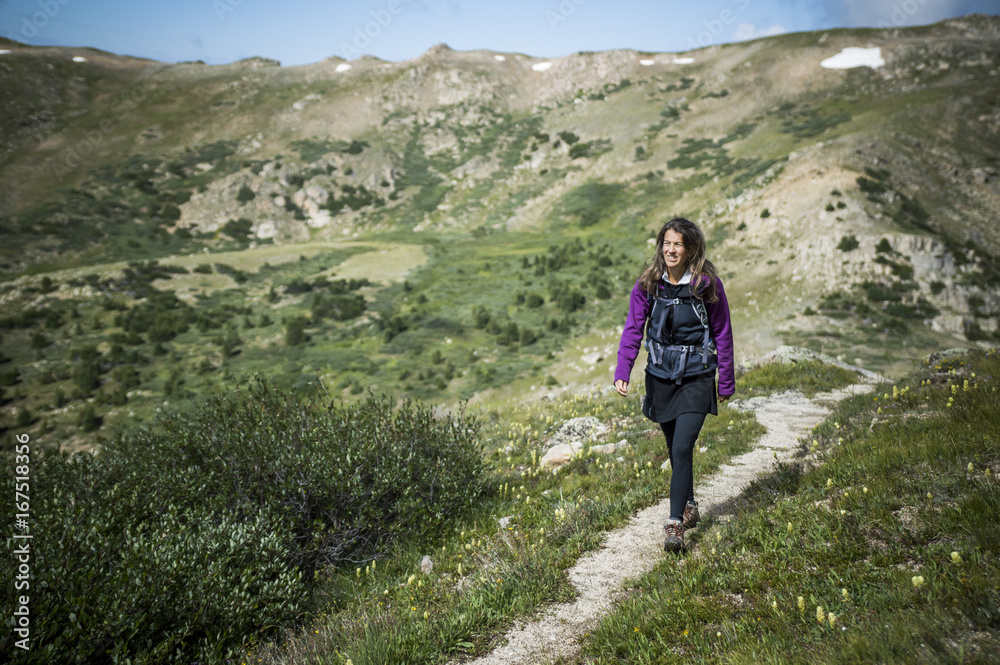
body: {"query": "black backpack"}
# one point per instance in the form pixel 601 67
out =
pixel 674 362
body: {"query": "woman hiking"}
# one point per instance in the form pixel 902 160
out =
pixel 679 302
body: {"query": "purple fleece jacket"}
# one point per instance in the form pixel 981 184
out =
pixel 718 321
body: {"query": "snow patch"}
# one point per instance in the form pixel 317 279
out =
pixel 647 63
pixel 79 58
pixel 683 61
pixel 499 58
pixel 541 66
pixel 4 50
pixel 853 56
pixel 342 67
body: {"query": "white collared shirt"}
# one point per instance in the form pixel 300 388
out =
pixel 686 279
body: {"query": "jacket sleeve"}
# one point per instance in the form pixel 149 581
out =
pixel 722 334
pixel 628 347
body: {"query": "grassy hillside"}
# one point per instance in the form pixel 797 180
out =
pixel 882 527
pixel 849 211
pixel 878 546
pixel 315 515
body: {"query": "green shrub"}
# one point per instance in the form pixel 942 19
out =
pixel 337 307
pixel 848 243
pixel 87 420
pixel 295 331
pixel 883 247
pixel 170 212
pixel 765 213
pixel 876 292
pixel 534 300
pixel 184 539
pixel 590 148
pixel 869 186
pixel 238 229
pixel 245 194
pixel 568 137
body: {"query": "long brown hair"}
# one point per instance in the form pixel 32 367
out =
pixel 701 268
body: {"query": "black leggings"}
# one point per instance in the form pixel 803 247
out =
pixel 681 435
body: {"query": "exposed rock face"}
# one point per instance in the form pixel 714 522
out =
pixel 586 428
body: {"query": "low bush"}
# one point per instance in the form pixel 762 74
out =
pixel 185 539
pixel 848 243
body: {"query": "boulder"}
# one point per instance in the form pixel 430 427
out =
pixel 558 455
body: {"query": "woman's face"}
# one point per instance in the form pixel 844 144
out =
pixel 674 252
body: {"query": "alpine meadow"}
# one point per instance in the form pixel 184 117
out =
pixel 283 349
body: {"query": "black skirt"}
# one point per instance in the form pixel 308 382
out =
pixel 665 400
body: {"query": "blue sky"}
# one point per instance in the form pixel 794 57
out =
pixel 303 31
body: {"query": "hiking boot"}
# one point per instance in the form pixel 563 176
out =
pixel 675 537
pixel 691 516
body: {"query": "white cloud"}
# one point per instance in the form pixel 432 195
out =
pixel 746 31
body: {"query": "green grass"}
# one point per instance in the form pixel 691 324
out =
pixel 485 576
pixel 810 377
pixel 890 527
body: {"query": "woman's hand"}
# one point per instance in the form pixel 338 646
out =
pixel 622 387
pixel 724 398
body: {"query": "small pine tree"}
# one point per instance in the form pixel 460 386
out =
pixel 24 417
pixel 87 419
pixel 848 243
pixel 245 194
pixel 295 331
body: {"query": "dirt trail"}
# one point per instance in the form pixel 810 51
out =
pixel 635 548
